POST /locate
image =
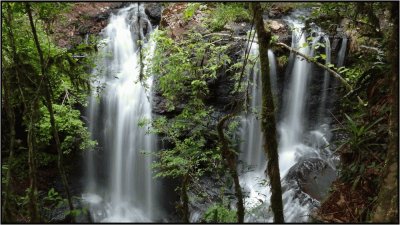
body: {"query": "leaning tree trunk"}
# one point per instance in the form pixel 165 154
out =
pixel 229 157
pixel 386 210
pixel 268 118
pixel 49 106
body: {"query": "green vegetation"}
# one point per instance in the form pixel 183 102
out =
pixel 224 13
pixel 76 135
pixel 219 214
pixel 189 130
pixel 190 11
pixel 364 153
pixel 45 89
pixel 40 73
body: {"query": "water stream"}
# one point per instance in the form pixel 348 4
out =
pixel 342 52
pixel 127 193
pixel 325 87
pixel 292 128
pixel 119 184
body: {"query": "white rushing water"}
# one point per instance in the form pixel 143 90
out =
pixel 292 130
pixel 325 87
pixel 342 52
pixel 128 193
pixel 252 153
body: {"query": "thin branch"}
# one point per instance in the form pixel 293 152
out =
pixel 334 73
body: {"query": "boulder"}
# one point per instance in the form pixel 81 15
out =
pixel 281 28
pixel 153 12
pixel 313 176
pixel 275 25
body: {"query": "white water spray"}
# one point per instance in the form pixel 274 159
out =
pixel 292 130
pixel 128 194
pixel 325 87
pixel 342 52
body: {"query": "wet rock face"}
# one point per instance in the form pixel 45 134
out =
pixel 211 188
pixel 153 11
pixel 313 176
pixel 59 214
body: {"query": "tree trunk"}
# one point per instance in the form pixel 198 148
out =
pixel 185 198
pixel 9 109
pixel 386 210
pixel 49 106
pixel 229 157
pixel 31 112
pixel 268 117
pixel 33 205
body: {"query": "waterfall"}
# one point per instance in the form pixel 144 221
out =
pixel 325 87
pixel 251 133
pixel 252 153
pixel 342 53
pixel 292 129
pixel 125 192
pixel 292 126
pixel 273 73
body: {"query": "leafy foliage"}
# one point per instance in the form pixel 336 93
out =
pixel 224 13
pixel 219 214
pixel 184 73
pixel 70 125
pixel 68 82
pixel 185 68
pixel 190 11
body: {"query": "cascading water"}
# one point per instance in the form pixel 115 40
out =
pixel 251 132
pixel 252 153
pixel 342 52
pixel 292 129
pixel 273 73
pixel 128 194
pixel 292 126
pixel 325 87
pixel 251 127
